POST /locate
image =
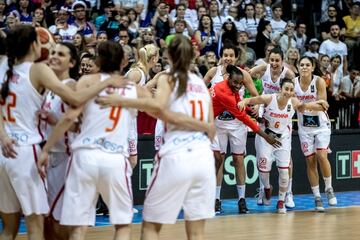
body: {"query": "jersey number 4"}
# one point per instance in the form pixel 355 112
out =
pixel 114 116
pixel 8 104
pixel 197 106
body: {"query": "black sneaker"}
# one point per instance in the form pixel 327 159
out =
pixel 217 206
pixel 242 206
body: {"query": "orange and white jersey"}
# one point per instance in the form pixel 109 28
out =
pixel 142 81
pixel 56 107
pixel 270 87
pixel 106 128
pixel 279 120
pixel 310 119
pixel 195 102
pixel 20 108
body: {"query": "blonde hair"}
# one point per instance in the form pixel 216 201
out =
pixel 288 53
pixel 145 54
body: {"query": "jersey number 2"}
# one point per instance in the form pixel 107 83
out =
pixel 9 105
pixel 114 116
pixel 194 109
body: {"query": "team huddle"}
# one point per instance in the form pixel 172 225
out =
pixel 66 141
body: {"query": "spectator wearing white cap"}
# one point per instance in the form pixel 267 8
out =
pixel 84 27
pixel 313 50
pixel 61 27
pixel 125 5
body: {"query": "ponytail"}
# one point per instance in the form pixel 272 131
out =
pixel 9 74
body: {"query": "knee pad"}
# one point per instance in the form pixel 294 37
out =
pixel 283 177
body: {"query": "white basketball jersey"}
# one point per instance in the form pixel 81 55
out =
pixel 218 76
pixel 20 107
pixel 55 106
pixel 279 120
pixel 270 87
pixel 310 119
pixel 108 128
pixel 195 102
pixel 142 81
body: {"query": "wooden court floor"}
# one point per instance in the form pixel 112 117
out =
pixel 334 224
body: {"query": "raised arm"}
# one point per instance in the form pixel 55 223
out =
pixel 209 75
pixel 262 99
pixel 319 105
pixel 258 69
pixel 249 84
pixel 42 76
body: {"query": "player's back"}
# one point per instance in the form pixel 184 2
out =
pixel 20 107
pixel 106 128
pixel 195 102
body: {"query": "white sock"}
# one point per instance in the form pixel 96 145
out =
pixel 241 191
pixel 290 186
pixel 218 191
pixel 261 185
pixel 282 196
pixel 327 181
pixel 316 191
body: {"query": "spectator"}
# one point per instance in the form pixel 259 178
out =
pixel 125 5
pixel 111 23
pixel 180 14
pixel 249 24
pixel 101 37
pixel 352 32
pixel 313 50
pixel 229 32
pixel 66 31
pixel 234 12
pixel 333 46
pixel 247 56
pixel 214 12
pixel 287 39
pixel 201 11
pixel 259 11
pixel 79 43
pixel 124 40
pixel 39 18
pixel 180 26
pixel 278 25
pixel 84 27
pixel 2 13
pixel 147 36
pixel 189 15
pixel 333 19
pixel 267 49
pixel 350 84
pixel 24 9
pixel 162 22
pixel 268 10
pixel 109 8
pixel 324 63
pixel 300 37
pixel 133 22
pixel 57 38
pixel 263 37
pixel 205 36
pixel 12 19
pixel 336 74
pixel 292 57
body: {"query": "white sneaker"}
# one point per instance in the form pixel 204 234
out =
pixel 319 205
pixel 331 197
pixel 289 200
pixel 281 207
pixel 135 210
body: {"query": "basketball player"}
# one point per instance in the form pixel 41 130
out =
pixel 184 173
pixel 271 75
pixel 314 131
pixel 23 190
pixel 279 108
pixel 230 129
pixel 148 57
pixel 64 61
pixel 99 161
